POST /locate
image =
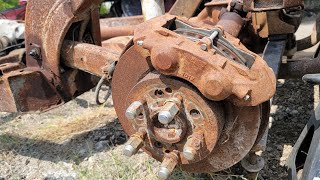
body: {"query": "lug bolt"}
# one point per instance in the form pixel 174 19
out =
pixel 192 146
pixel 168 164
pixel 133 110
pixel 134 144
pixel 169 111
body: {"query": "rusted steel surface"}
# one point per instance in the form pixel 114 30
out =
pixel 47 23
pixel 258 81
pixel 185 8
pixel 20 92
pixel 234 129
pixel 264 5
pixel 269 23
pixel 88 57
pixel 231 22
pixel 14 56
pixel 121 21
pixel 211 13
pixel 111 32
pixel 134 62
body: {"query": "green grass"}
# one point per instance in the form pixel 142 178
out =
pixel 6 4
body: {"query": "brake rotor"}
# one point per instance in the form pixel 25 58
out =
pixel 229 131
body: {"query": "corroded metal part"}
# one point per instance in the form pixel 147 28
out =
pixel 217 80
pixel 20 92
pixel 242 124
pixel 88 57
pixel 111 32
pixel 168 165
pixel 121 21
pixel 265 5
pixel 14 56
pixel 134 144
pixel 48 24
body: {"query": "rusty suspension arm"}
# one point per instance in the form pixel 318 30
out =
pixel 88 57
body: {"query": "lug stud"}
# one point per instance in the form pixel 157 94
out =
pixel 192 146
pixel 134 144
pixel 168 164
pixel 169 110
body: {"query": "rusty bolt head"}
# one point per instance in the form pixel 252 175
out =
pixel 133 110
pixel 164 61
pixel 204 47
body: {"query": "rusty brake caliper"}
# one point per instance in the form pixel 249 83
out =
pixel 190 96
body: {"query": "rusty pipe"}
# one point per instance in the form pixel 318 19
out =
pixel 88 57
pixel 121 21
pixel 298 68
pixel 231 22
pixel 111 32
pixel 114 27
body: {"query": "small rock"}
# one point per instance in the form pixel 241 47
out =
pixel 301 126
pixel 269 149
pixel 82 152
pixel 279 147
pixel 101 145
pixel 294 112
pixel 103 138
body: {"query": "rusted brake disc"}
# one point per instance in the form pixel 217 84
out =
pixel 188 105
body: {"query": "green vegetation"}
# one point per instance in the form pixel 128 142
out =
pixel 6 4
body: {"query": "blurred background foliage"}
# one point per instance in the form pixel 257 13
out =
pixel 6 4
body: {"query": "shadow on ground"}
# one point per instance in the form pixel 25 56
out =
pixel 74 150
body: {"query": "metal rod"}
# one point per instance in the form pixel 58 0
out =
pixel 296 69
pixel 88 57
